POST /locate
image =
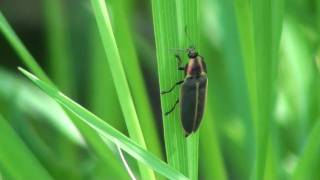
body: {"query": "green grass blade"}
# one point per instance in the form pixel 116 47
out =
pixel 61 69
pixel 213 166
pixel 103 96
pixel 134 74
pixel 264 19
pixel 16 158
pixel 245 26
pixel 95 142
pixel 169 34
pixel 273 162
pixel 267 23
pixel 190 38
pixel 118 74
pixel 29 100
pixel 128 145
pixel 193 155
pixel 244 17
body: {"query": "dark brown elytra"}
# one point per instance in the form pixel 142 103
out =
pixel 193 91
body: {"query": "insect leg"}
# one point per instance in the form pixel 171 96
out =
pixel 167 91
pixel 181 68
pixel 174 106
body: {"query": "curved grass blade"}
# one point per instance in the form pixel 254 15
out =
pixel 128 145
pixel 16 158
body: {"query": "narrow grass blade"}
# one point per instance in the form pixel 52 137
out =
pixel 103 96
pixel 244 19
pixel 118 74
pixel 16 158
pixel 121 18
pixel 245 25
pixel 273 162
pixel 128 145
pixel 97 144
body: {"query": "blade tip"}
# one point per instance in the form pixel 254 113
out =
pixel 27 73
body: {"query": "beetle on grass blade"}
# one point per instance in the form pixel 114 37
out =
pixel 193 91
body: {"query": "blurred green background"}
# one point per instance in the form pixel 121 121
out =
pixel 63 37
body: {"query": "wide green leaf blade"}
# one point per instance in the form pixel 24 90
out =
pixel 107 131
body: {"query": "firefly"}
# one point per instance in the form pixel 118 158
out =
pixel 193 91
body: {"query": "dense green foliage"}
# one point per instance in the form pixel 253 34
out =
pixel 97 68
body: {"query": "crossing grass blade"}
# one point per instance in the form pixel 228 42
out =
pixel 103 97
pixel 16 158
pixel 101 127
pixel 96 143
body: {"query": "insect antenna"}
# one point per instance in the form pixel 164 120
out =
pixel 188 36
pixel 179 50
